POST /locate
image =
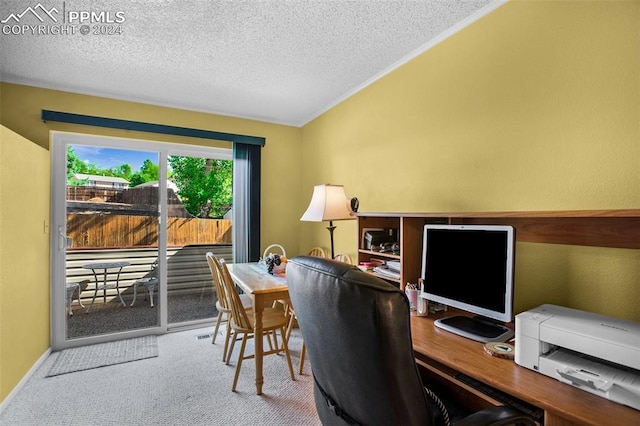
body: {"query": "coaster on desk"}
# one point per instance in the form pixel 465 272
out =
pixel 499 349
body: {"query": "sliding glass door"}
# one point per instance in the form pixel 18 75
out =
pixel 199 221
pixel 127 249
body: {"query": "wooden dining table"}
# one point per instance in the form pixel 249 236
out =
pixel 263 288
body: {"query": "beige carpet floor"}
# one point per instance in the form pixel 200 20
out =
pixel 186 384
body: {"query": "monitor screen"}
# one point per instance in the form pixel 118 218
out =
pixel 470 267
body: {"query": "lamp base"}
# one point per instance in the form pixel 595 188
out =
pixel 331 228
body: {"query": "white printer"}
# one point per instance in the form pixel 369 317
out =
pixel 595 353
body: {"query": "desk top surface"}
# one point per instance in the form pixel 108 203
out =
pixel 468 357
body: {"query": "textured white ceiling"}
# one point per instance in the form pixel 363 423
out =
pixel 274 60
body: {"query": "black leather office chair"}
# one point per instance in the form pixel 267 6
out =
pixel 358 337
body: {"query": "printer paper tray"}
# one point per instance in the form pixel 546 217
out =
pixel 617 383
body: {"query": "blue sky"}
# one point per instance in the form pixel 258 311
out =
pixel 107 158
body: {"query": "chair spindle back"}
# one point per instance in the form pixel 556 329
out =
pixel 238 313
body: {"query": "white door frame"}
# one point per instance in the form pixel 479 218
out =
pixel 59 142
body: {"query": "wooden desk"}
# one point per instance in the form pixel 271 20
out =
pixel 263 288
pixel 444 354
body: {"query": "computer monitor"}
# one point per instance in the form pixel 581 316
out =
pixel 470 267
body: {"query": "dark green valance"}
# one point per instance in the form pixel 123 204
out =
pixel 114 123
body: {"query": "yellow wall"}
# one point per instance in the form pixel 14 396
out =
pixel 21 106
pixel 24 257
pixel 20 109
pixel 534 107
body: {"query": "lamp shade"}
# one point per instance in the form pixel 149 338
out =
pixel 328 202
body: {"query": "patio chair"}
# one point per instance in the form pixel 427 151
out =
pixel 150 282
pixel 75 289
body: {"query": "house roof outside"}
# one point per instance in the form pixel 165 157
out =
pixel 96 178
pixel 155 183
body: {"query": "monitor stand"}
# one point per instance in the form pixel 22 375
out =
pixel 476 328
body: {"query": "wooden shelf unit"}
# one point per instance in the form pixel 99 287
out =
pixel 441 356
pixel 599 228
pixel 410 240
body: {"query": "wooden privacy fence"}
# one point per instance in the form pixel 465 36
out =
pixel 117 231
pixel 141 201
pixel 147 195
pixel 85 193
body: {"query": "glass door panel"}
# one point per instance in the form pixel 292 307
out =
pixel 198 222
pixel 112 227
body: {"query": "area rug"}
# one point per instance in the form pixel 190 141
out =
pixel 104 354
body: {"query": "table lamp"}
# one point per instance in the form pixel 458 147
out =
pixel 328 202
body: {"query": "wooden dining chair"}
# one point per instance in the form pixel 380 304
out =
pixel 317 252
pixel 291 313
pixel 277 247
pixel 283 252
pixel 303 350
pixel 222 305
pixel 242 321
pixel 344 258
